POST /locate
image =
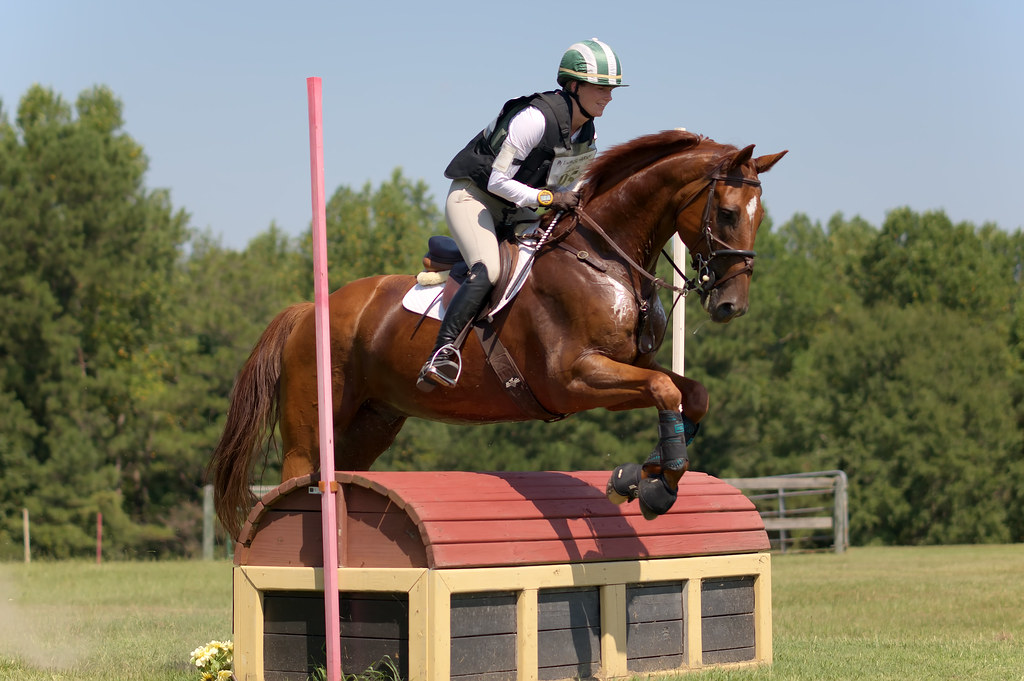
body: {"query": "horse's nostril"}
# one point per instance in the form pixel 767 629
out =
pixel 724 312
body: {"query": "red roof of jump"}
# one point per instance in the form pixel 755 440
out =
pixel 463 519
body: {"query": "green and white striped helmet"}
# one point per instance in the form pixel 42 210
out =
pixel 590 61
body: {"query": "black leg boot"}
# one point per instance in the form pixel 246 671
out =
pixel 444 365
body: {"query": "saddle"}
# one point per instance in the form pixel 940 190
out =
pixel 443 256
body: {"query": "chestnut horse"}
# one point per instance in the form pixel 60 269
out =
pixel 575 330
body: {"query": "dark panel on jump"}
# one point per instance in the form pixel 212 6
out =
pixel 293 653
pixel 655 639
pixel 483 614
pixel 568 608
pixel 727 631
pixel 493 676
pixel 728 656
pixel 473 655
pixel 580 671
pixel 727 620
pixel 654 602
pixel 362 615
pixel 288 654
pixel 727 596
pixel 373 626
pixel 569 633
pixel 270 675
pixel 483 636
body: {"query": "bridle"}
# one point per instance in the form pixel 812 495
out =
pixel 706 280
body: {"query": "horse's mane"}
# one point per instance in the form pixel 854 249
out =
pixel 624 160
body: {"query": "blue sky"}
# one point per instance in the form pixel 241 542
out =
pixel 881 103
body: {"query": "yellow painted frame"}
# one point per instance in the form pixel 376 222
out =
pixel 430 592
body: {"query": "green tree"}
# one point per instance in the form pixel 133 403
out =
pixel 926 258
pixel 377 231
pixel 227 299
pixel 866 352
pixel 926 434
pixel 88 256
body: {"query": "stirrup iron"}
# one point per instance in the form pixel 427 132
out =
pixel 439 369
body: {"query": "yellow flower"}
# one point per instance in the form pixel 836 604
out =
pixel 213 661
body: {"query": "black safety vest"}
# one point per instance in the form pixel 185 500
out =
pixel 477 158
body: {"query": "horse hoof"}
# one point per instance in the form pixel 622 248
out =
pixel 656 497
pixel 624 484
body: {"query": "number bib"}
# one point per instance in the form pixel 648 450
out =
pixel 566 171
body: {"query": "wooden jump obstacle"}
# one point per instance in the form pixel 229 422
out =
pixel 491 576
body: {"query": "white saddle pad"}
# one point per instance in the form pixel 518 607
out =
pixel 426 300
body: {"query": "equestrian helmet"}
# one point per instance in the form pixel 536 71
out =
pixel 590 61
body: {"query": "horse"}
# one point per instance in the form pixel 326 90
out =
pixel 583 329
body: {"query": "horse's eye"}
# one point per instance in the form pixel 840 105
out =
pixel 727 217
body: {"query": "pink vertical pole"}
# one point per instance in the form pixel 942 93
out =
pixel 99 538
pixel 328 488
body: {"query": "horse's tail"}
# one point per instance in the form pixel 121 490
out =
pixel 253 412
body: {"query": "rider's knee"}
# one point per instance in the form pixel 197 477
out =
pixel 480 271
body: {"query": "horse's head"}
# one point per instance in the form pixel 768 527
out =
pixel 676 182
pixel 720 230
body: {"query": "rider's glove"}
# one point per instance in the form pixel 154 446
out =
pixel 565 200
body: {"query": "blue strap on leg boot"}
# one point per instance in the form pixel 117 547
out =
pixel 656 497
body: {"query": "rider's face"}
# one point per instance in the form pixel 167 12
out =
pixel 594 98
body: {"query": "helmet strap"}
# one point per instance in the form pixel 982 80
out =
pixel 576 98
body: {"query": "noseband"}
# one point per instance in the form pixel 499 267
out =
pixel 706 280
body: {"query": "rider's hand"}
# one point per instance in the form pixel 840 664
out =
pixel 565 200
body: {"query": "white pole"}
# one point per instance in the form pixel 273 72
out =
pixel 679 317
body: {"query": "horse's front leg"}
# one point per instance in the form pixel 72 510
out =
pixel 681 403
pixel 694 396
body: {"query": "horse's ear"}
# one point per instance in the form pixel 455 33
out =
pixel 765 163
pixel 741 157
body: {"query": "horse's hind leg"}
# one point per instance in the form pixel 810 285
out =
pixel 358 439
pixel 366 436
pixel 300 429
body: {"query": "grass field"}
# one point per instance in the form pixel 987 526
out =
pixel 928 614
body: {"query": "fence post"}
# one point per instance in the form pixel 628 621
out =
pixel 783 534
pixel 28 544
pixel 208 522
pixel 786 517
pixel 840 520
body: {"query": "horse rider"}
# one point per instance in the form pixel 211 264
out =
pixel 528 159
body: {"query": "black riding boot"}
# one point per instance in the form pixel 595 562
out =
pixel 445 362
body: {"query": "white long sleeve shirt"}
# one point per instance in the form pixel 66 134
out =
pixel 525 132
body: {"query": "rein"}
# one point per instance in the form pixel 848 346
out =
pixel 706 281
pixel 657 281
